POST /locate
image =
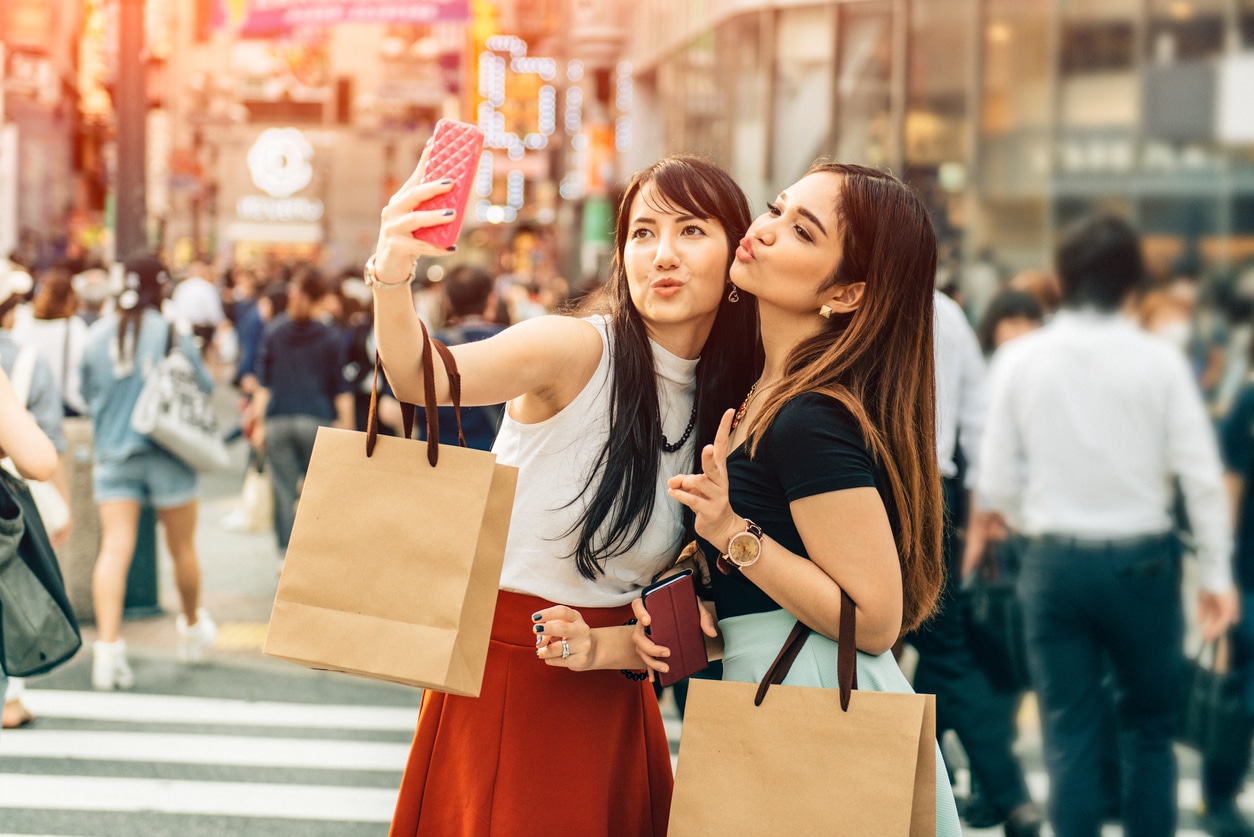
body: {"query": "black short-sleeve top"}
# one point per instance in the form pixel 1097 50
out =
pixel 813 446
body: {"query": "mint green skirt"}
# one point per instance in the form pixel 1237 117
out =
pixel 751 644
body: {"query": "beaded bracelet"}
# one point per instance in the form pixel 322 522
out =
pixel 628 673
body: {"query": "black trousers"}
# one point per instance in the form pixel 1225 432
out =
pixel 1090 607
pixel 983 717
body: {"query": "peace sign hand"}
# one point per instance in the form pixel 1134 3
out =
pixel 706 493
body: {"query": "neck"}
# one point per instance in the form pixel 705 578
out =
pixel 782 331
pixel 684 339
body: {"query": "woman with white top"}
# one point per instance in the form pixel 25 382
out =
pixel 600 411
pixel 57 334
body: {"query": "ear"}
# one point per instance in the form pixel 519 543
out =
pixel 845 299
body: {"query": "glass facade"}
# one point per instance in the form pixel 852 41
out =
pixel 1011 117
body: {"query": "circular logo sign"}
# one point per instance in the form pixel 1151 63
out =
pixel 279 162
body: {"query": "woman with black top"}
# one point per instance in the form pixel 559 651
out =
pixel 826 477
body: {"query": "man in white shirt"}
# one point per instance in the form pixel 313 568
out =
pixel 1090 420
pixel 197 303
pixel 966 700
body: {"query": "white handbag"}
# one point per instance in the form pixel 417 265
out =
pixel 54 511
pixel 177 415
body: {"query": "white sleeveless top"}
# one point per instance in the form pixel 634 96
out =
pixel 554 457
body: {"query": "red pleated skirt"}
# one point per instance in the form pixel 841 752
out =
pixel 542 750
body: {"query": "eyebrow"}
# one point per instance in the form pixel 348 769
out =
pixel 644 219
pixel 808 215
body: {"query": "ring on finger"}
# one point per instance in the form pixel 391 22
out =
pixel 565 649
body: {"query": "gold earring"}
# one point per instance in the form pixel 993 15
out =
pixel 734 294
pixel 825 312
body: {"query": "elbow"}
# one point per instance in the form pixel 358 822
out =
pixel 40 466
pixel 879 628
pixel 408 394
pixel 877 642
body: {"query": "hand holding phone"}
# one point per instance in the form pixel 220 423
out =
pixel 675 624
pixel 455 150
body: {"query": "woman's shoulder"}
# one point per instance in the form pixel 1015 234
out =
pixel 814 409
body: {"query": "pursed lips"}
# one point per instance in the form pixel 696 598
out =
pixel 744 252
pixel 667 286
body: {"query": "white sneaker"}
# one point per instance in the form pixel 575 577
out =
pixel 194 641
pixel 109 669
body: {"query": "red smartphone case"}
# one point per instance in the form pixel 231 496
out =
pixel 455 150
pixel 675 623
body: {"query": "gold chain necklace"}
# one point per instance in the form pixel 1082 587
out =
pixel 744 405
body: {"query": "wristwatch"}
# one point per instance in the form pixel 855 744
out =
pixel 743 549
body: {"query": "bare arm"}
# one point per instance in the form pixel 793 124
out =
pixel 20 437
pixel 540 364
pixel 846 534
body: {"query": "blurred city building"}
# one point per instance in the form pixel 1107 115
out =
pixel 289 124
pixel 41 195
pixel 1011 116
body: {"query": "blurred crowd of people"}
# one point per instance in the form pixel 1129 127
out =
pixel 1083 444
pixel 298 347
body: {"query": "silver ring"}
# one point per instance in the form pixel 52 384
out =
pixel 565 649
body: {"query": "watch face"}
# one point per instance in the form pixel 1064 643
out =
pixel 743 549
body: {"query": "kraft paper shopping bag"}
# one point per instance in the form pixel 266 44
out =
pixel 805 760
pixel 395 556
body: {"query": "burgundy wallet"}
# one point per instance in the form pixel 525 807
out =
pixel 675 623
pixel 455 150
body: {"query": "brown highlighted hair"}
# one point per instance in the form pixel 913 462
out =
pixel 55 299
pixel 878 361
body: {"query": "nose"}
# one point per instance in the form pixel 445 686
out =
pixel 763 230
pixel 666 256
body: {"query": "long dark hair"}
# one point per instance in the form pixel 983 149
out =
pixel 622 483
pixel 878 361
pixel 144 284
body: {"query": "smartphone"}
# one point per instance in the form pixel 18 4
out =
pixel 455 151
pixel 675 623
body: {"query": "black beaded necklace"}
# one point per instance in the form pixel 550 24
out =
pixel 692 420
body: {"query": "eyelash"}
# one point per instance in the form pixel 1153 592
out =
pixel 691 228
pixel 773 210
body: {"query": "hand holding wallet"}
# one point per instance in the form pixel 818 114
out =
pixel 675 624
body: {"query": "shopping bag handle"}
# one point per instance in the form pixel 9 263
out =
pixel 846 655
pixel 428 384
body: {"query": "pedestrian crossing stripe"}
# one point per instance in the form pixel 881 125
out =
pixel 166 709
pixel 231 750
pixel 166 796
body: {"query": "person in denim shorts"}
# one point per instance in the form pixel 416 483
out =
pixel 130 471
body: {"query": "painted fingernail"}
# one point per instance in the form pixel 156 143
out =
pixel 448 181
pixel 539 629
pixel 535 617
pixel 539 641
pixel 452 249
pixel 448 212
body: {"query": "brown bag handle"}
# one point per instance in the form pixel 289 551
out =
pixel 428 385
pixel 846 655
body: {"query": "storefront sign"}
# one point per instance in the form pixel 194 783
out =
pixel 281 164
pixel 262 208
pixel 258 17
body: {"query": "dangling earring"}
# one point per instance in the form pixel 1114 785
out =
pixel 734 294
pixel 825 312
